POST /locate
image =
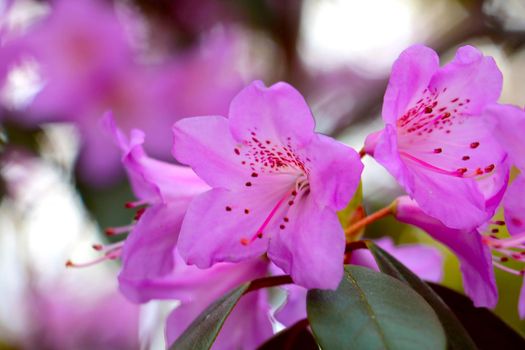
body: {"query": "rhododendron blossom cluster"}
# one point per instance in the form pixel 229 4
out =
pixel 257 194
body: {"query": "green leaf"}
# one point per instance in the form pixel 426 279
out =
pixel 202 332
pixel 487 329
pixel 457 336
pixel 296 337
pixel 371 310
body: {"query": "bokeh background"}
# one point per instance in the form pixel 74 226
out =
pixel 64 63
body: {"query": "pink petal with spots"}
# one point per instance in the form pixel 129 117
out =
pixel 472 78
pixel 514 206
pixel 222 225
pixel 206 145
pixel 310 246
pixel 411 74
pixel 335 172
pixel 274 113
pixel 444 156
pixel 475 258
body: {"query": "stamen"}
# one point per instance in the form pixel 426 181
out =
pixel 112 255
pixel 259 232
pixel 130 205
pixel 112 231
pixel 506 268
pixel 508 242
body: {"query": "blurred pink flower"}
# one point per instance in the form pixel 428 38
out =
pixel 62 320
pixel 276 186
pixel 435 142
pixel 88 68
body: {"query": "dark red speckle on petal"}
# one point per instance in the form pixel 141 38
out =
pixel 474 144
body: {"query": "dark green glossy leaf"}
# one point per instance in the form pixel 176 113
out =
pixel 457 336
pixel 371 310
pixel 202 332
pixel 296 337
pixel 487 329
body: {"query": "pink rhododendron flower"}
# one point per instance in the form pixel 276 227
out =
pixel 435 143
pixel 152 267
pixel 148 252
pixel 425 261
pixel 276 186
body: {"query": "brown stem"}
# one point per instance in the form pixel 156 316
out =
pixel 369 219
pixel 267 282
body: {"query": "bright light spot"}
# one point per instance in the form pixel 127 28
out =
pixel 368 34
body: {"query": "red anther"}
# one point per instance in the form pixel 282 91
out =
pixel 69 263
pixel 97 247
pixel 139 213
pixel 110 231
pixel 245 241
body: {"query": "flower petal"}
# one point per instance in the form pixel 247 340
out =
pixel 472 76
pixel 248 326
pixel 508 126
pixel 148 252
pixel 219 220
pixel 205 144
pixel 410 76
pixel 514 206
pixel 294 308
pixel 456 201
pixel 476 264
pixel 275 113
pixel 311 246
pixel 335 172
pixel 152 180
